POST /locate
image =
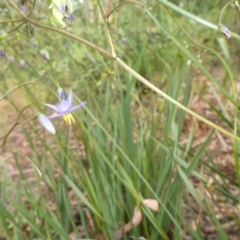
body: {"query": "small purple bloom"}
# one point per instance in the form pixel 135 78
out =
pixel 65 108
pixel 2 53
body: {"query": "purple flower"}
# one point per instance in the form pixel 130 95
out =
pixel 61 9
pixel 2 53
pixel 65 108
pixel 70 17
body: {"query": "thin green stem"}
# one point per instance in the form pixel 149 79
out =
pixel 135 74
pixel 63 32
pixel 164 95
pixel 223 9
pixel 24 84
pixel 5 137
pixel 11 20
pixel 23 154
pixel 17 121
pixel 235 130
pixel 108 9
pixel 194 17
pixel 123 3
pixel 13 89
pixel 238 7
pixel 105 20
pixel 16 28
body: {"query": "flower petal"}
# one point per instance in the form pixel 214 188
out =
pixel 58 16
pixel 51 106
pixel 46 123
pixel 62 94
pixel 56 115
pixel 70 17
pixel 78 106
pixel 70 99
pixel 61 5
pixel 63 106
pixel 69 4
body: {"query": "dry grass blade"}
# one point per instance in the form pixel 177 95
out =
pixel 152 204
pixel 136 219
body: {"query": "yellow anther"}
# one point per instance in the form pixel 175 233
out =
pixel 69 120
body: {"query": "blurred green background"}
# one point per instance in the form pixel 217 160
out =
pixel 129 144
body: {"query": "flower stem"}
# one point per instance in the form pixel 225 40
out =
pixel 63 32
pixel 129 69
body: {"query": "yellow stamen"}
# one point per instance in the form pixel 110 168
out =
pixel 69 120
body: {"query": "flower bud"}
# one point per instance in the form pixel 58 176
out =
pixel 224 30
pixel 23 64
pixel 34 43
pixel 45 55
pixel 62 94
pixel 46 123
pixel 11 59
pixel 2 53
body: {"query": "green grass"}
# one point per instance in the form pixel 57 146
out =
pixel 132 142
